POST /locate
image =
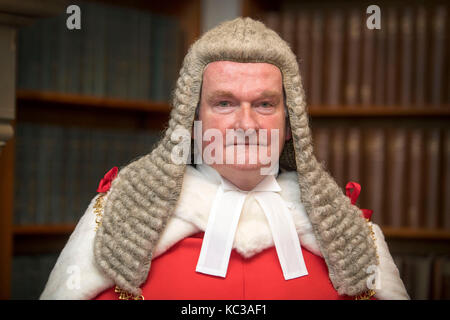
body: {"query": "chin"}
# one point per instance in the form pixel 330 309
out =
pixel 245 166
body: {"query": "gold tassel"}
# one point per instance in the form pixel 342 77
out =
pixel 123 295
pixel 366 295
pixel 98 210
pixel 370 293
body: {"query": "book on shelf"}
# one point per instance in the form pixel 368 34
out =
pixel 366 90
pixel 322 146
pixel 36 66
pixel 398 260
pixel 45 153
pixel 408 274
pixel 29 274
pixel 144 49
pixel 87 184
pixel 417 275
pixel 432 180
pixel 317 45
pixel 25 163
pixel 379 85
pixel 441 277
pixel 55 172
pixel 334 58
pixel 88 46
pixel 61 58
pixel 72 160
pixel 171 53
pixel 47 49
pixel 337 161
pixel 157 60
pixel 99 61
pixel 374 166
pixel 421 64
pixel 288 28
pixel 273 21
pixel 392 61
pixel 439 40
pixel 353 159
pixel 115 48
pixel 422 277
pixel 303 32
pixel 406 36
pixel 396 173
pixel 415 198
pixel 446 179
pixel 353 57
pixel 74 70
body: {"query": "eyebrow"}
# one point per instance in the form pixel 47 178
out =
pixel 229 94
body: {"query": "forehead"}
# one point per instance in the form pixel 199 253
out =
pixel 237 74
pixel 245 67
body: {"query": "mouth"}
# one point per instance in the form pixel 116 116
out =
pixel 246 144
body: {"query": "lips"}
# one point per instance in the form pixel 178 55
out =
pixel 245 144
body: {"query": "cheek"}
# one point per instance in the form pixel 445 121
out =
pixel 212 125
pixel 220 122
pixel 278 124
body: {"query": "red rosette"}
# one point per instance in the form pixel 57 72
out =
pixel 105 183
pixel 352 190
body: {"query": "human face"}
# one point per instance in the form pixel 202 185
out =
pixel 247 96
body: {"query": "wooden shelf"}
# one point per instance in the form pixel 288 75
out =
pixel 410 233
pixel 41 239
pixel 47 230
pixel 379 111
pixel 32 97
pixel 389 232
pixel 83 101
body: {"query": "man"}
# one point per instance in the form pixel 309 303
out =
pixel 254 221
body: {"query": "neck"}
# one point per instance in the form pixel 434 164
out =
pixel 243 178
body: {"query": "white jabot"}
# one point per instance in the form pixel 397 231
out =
pixel 224 217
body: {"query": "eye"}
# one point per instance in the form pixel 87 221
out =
pixel 224 104
pixel 266 104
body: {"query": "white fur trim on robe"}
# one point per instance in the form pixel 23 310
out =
pixel 253 232
pixel 75 275
pixel 191 216
pixel 390 285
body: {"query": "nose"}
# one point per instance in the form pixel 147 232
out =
pixel 246 118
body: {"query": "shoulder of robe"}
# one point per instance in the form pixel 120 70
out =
pixel 76 260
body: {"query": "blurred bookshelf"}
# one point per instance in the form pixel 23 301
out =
pixel 96 95
pixel 379 105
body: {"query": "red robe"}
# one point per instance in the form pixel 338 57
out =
pixel 172 276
